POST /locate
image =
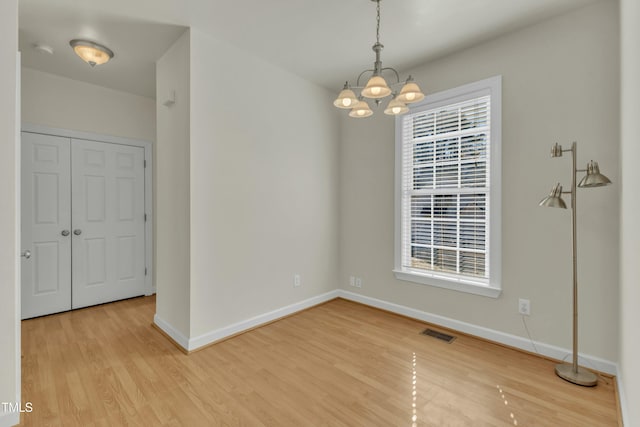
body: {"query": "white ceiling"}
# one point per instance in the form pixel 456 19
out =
pixel 326 41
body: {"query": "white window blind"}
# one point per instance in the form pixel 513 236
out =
pixel 445 194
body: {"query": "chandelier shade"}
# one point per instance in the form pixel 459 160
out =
pixel 396 107
pixel 361 110
pixel 378 87
pixel 410 92
pixel 346 98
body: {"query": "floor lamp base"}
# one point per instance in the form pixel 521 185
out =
pixel 582 377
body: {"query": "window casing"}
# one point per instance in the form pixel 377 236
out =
pixel 448 190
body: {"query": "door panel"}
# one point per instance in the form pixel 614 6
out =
pixel 46 213
pixel 108 222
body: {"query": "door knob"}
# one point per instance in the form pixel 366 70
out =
pixel 26 254
pixel 65 233
pixel 77 232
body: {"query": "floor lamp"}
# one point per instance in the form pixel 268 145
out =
pixel 593 178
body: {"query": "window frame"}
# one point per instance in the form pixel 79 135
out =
pixel 492 87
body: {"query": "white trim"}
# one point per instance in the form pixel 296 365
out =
pixel 14 418
pixel 175 335
pixel 148 225
pixel 490 86
pixel 479 331
pixel 148 180
pixel 191 344
pixel 227 331
pixel 622 398
pixel 76 134
pixel 9 419
pixel 470 288
pixel 495 222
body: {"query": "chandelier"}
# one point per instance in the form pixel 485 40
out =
pixel 377 87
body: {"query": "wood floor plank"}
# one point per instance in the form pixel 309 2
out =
pixel 337 364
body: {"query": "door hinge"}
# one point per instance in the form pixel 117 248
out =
pixel 145 217
pixel 145 271
pixel 145 163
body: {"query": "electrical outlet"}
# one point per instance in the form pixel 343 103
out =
pixel 358 282
pixel 296 280
pixel 524 307
pixel 352 281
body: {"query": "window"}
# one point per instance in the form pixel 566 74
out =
pixel 448 190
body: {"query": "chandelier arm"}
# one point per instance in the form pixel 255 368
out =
pixel 395 72
pixel 361 74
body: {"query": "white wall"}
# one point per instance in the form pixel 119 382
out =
pixel 264 179
pixel 9 308
pixel 629 226
pixel 560 83
pixel 59 102
pixel 172 233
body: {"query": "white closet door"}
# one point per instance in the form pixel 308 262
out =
pixel 108 222
pixel 46 222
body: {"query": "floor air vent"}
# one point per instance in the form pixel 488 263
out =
pixel 439 335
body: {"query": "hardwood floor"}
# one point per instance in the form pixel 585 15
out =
pixel 338 364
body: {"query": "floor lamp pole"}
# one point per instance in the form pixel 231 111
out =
pixel 574 373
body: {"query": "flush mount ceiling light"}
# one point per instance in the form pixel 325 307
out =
pixel 90 52
pixel 377 87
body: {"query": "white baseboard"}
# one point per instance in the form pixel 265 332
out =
pixel 244 325
pixel 543 349
pixel 468 328
pixel 191 344
pixel 176 336
pixel 486 333
pixel 9 419
pixel 624 410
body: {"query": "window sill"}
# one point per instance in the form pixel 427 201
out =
pixel 467 287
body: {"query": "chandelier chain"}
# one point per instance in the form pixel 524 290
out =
pixel 378 22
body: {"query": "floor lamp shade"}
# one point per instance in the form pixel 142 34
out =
pixel 554 199
pixel 593 178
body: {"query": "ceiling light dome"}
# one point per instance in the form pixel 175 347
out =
pixel 90 52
